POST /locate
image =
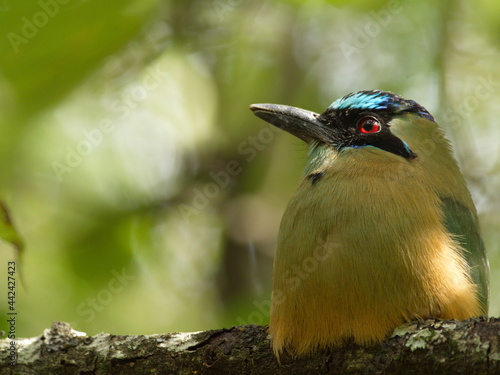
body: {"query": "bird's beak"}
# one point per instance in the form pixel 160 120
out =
pixel 296 121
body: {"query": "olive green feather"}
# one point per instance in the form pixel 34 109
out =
pixel 464 226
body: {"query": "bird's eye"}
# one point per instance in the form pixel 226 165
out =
pixel 369 125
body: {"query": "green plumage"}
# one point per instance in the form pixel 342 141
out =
pixel 463 224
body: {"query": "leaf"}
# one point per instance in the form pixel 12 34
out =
pixel 8 231
pixel 50 47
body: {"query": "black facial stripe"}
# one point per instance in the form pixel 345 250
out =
pixel 345 125
pixel 387 142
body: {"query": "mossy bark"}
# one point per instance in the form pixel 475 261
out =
pixel 430 347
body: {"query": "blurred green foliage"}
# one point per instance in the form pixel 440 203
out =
pixel 148 195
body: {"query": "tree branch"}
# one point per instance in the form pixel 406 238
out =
pixel 429 347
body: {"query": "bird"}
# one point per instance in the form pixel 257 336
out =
pixel 381 231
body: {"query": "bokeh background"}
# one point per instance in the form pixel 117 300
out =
pixel 149 196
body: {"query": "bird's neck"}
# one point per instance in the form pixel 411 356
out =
pixel 319 155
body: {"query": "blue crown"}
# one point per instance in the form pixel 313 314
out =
pixel 379 100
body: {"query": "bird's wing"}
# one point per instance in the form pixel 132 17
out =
pixel 463 224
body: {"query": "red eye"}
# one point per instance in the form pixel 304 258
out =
pixel 369 125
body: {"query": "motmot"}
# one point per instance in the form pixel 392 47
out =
pixel 381 230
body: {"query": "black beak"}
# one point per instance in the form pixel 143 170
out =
pixel 299 122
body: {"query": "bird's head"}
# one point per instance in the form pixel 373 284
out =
pixel 376 119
